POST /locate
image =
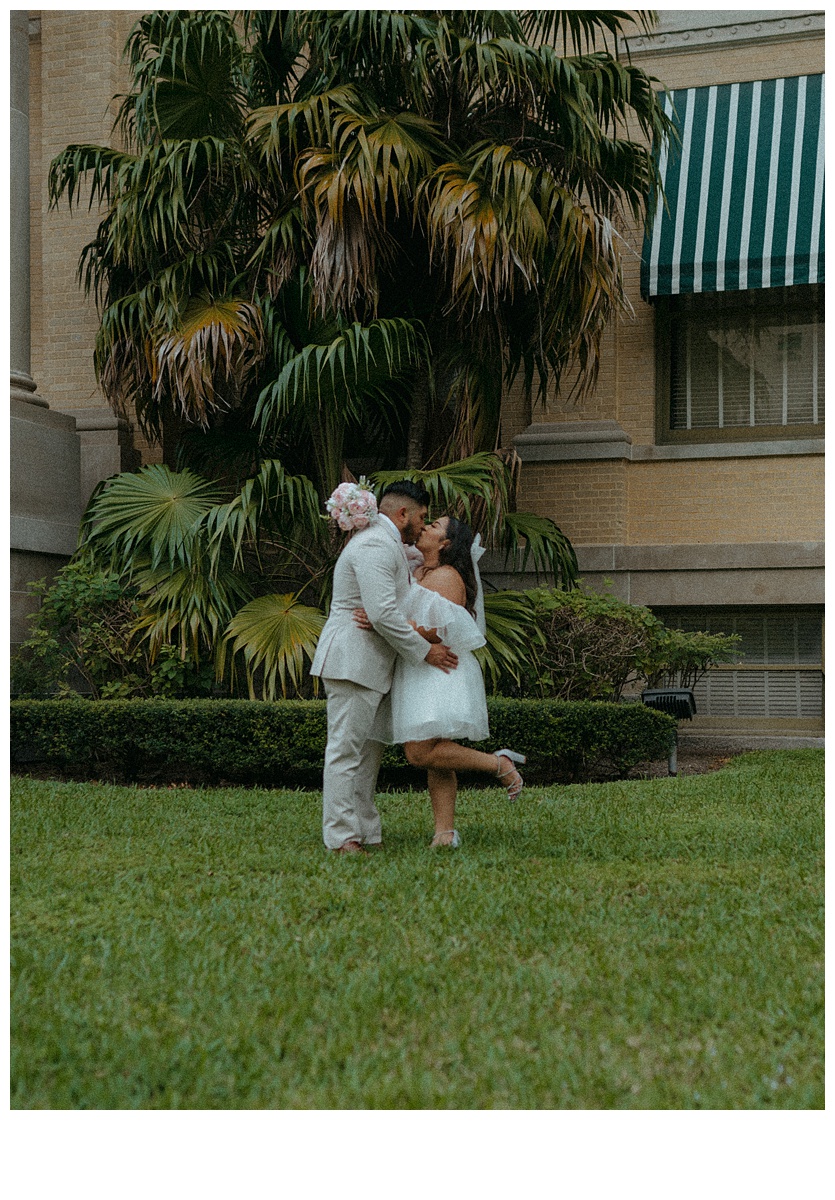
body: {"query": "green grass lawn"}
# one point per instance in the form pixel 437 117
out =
pixel 649 944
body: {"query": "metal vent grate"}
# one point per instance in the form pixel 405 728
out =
pixel 788 694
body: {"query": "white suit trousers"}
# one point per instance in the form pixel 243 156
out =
pixel 352 761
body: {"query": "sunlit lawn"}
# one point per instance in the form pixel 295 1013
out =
pixel 650 944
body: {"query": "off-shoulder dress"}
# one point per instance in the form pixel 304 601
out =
pixel 424 701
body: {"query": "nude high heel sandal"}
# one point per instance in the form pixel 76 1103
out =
pixel 452 845
pixel 515 786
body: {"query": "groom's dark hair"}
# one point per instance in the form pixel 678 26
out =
pixel 408 490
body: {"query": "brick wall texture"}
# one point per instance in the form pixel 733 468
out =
pixel 76 69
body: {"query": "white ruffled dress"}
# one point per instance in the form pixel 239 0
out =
pixel 425 702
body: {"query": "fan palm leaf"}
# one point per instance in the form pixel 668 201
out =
pixel 154 515
pixel 188 75
pixel 275 634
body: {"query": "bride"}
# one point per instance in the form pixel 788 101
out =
pixel 429 708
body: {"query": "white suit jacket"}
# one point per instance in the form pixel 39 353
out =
pixel 371 573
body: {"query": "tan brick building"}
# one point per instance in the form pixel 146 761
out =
pixel 705 507
pixel 717 524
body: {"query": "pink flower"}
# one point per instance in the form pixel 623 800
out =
pixel 352 506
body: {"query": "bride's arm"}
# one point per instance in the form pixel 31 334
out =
pixel 362 622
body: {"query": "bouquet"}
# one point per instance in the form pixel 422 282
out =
pixel 352 506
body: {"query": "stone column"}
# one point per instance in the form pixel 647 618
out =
pixel 44 445
pixel 23 385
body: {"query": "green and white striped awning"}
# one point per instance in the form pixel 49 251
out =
pixel 744 190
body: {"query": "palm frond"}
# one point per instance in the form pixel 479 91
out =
pixel 326 389
pixel 216 342
pixel 350 186
pixel 482 480
pixel 100 168
pixel 525 536
pixel 275 634
pixel 279 130
pixel 190 607
pixel 513 638
pixel 357 358
pixel 484 221
pixel 152 516
pixel 271 501
pixel 187 72
pixel 577 31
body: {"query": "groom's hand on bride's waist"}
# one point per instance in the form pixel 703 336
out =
pixel 441 656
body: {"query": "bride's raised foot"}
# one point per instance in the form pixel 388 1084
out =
pixel 506 770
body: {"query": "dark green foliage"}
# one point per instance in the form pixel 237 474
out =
pixel 283 743
pixel 87 634
pixel 592 647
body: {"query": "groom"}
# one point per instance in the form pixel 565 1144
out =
pixel 356 666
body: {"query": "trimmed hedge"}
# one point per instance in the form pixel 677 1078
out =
pixel 282 744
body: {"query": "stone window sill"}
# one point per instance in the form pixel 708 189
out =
pixel 576 441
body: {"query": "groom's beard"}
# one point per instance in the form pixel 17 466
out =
pixel 410 533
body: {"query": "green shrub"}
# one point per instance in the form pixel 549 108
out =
pixel 592 647
pixel 87 635
pixel 283 743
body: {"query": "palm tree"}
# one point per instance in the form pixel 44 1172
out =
pixel 442 190
pixel 454 168
pixel 329 231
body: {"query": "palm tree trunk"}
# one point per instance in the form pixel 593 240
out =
pixel 172 430
pixel 415 451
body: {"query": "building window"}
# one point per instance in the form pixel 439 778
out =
pixel 742 364
pixel 779 675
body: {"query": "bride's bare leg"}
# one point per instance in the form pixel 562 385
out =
pixel 439 754
pixel 443 788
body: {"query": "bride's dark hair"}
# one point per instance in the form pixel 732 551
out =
pixel 457 554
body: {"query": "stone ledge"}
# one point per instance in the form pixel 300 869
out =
pixel 724 31
pixel 742 556
pixel 568 441
pixel 92 420
pixel 759 573
pixel 578 441
pixel 764 449
pixel 39 536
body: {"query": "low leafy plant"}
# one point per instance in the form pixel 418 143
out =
pixel 87 636
pixel 679 657
pixel 594 647
pixel 281 743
